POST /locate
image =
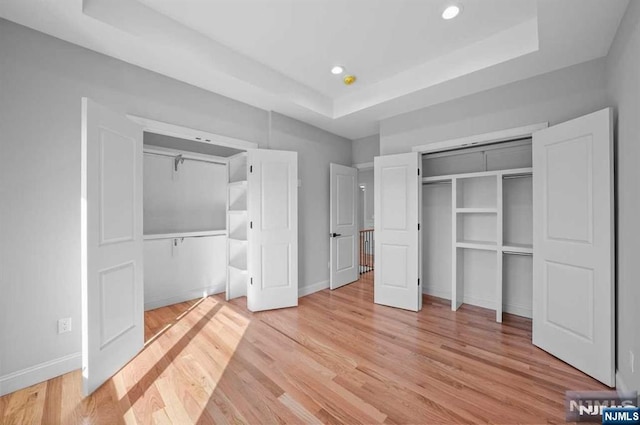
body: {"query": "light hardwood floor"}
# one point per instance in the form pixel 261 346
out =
pixel 337 358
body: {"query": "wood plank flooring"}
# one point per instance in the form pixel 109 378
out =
pixel 337 358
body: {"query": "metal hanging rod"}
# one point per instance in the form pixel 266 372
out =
pixel 517 176
pixel 438 182
pixel 184 158
pixel 518 253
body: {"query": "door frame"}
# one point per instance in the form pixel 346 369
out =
pixel 174 130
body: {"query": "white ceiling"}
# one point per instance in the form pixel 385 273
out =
pixel 276 54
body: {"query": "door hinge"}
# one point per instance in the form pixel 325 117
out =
pixel 251 225
pixel 418 226
pixel 251 168
pixel 418 282
pixel 251 280
pixel 418 171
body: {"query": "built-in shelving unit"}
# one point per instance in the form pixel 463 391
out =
pixel 237 223
pixel 483 221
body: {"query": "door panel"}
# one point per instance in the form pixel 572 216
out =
pixel 343 226
pixel 272 202
pixel 397 248
pixel 112 250
pixel 573 293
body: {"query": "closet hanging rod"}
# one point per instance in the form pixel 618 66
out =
pixel 185 235
pixel 185 158
pixel 517 253
pixel 438 182
pixel 516 176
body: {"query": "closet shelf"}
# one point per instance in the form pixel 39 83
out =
pixel 477 210
pixel 185 235
pixel 504 173
pixel 517 249
pixel 239 183
pixel 481 245
pixel 238 212
pixel 238 241
pixel 238 270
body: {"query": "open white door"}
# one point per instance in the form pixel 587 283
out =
pixel 573 274
pixel 272 201
pixel 396 224
pixel 112 250
pixel 343 225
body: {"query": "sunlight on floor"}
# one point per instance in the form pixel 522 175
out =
pixel 164 366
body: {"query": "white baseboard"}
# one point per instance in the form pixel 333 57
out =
pixel 310 289
pixel 518 310
pixel 41 372
pixel 183 296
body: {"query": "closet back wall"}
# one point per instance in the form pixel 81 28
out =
pixel 42 81
pixel 191 199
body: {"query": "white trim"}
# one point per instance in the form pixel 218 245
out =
pixel 310 289
pixel 201 234
pixel 518 310
pixel 620 384
pixel 173 130
pixel 363 165
pixel 39 373
pixel 184 296
pixel 155 150
pixel 481 139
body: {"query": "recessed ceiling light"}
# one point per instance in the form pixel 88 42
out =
pixel 451 11
pixel 337 70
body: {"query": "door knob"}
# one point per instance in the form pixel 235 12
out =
pixel 335 235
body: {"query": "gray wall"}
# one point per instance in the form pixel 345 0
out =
pixel 41 82
pixel 623 83
pixel 365 149
pixel 555 97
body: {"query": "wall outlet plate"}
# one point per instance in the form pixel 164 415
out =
pixel 64 325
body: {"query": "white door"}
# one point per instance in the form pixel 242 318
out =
pixel 343 226
pixel 396 225
pixel 573 269
pixel 112 249
pixel 272 201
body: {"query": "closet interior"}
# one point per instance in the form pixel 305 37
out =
pixel 477 212
pixel 185 219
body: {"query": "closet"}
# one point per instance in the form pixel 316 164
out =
pixel 185 229
pixel 477 218
pixel 219 219
pixel 518 220
pixel 156 201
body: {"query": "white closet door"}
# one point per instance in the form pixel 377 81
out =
pixel 343 225
pixel 112 244
pixel 573 275
pixel 397 238
pixel 273 229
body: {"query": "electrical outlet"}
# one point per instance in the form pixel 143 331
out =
pixel 64 325
pixel 632 360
